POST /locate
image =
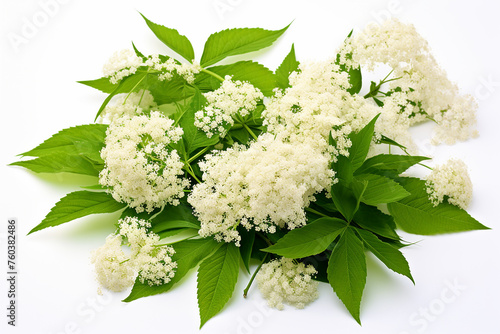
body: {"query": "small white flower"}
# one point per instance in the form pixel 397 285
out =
pixel 232 98
pixel 283 281
pixel 265 185
pixel 452 180
pixel 140 169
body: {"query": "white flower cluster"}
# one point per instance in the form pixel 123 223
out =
pixel 121 64
pixel 316 103
pixel 170 66
pixel 451 180
pixel 423 89
pixel 110 263
pixel 125 62
pixel 140 169
pixel 117 271
pixel 126 105
pixel 263 186
pixel 230 100
pixel 283 281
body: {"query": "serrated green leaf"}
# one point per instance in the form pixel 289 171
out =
pixel 76 205
pixel 289 65
pixel 386 253
pixel 381 189
pixel 102 84
pixel 374 220
pixel 347 271
pixel 68 141
pixel 171 38
pixel 398 163
pixel 416 214
pixel 217 278
pixel 253 72
pixel 137 52
pixel 169 91
pixel 231 42
pixel 188 254
pixel 361 144
pixel 308 240
pixel 61 163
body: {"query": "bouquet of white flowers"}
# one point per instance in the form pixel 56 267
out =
pixel 222 165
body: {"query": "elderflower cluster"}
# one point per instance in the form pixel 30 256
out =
pixel 139 167
pixel 316 103
pixel 230 100
pixel 451 180
pixel 422 89
pixel 125 62
pixel 121 64
pixel 128 105
pixel 283 281
pixel 110 263
pixel 117 271
pixel 169 66
pixel 263 186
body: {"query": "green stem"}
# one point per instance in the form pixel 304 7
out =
pixel 245 292
pixel 191 172
pixel 137 84
pixel 194 157
pixel 316 212
pixel 215 75
pixel 249 131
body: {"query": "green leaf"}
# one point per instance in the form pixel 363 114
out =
pixel 374 220
pixel 76 205
pixel 193 137
pixel 347 271
pixel 231 42
pixel 59 163
pixel 250 71
pixel 398 163
pixel 381 189
pixel 169 91
pixel 217 278
pixel 247 242
pixel 389 141
pixel 386 253
pixel 356 80
pixel 68 141
pixel 347 196
pixel 137 52
pixel 309 240
pixel 289 65
pixel 102 84
pixel 132 83
pixel 343 169
pixel 361 144
pixel 188 254
pixel 416 214
pixel 175 216
pixel 171 38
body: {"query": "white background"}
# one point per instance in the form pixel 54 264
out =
pixel 40 96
